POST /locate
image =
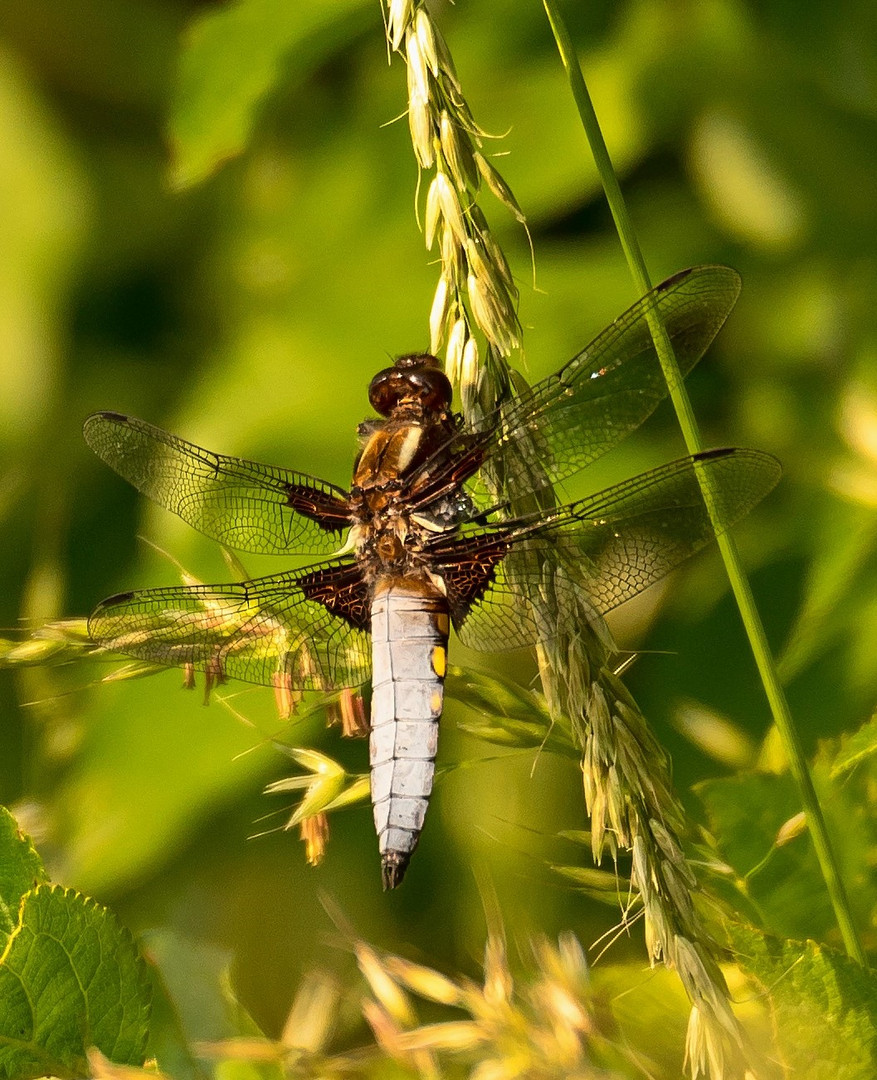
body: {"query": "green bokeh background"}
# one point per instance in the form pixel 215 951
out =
pixel 248 313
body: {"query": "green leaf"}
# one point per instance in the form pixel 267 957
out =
pixel 746 815
pixel 70 978
pixel 752 820
pixel 855 749
pixel 232 58
pixel 824 1005
pixel 21 869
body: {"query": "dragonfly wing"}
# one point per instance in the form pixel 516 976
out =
pixel 512 584
pixel 245 505
pixel 306 630
pixel 570 419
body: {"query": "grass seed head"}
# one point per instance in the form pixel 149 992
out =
pixel 457 150
pixel 418 69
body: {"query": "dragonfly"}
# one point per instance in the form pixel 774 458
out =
pixel 431 533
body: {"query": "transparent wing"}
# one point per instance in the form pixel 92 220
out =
pixel 512 584
pixel 245 505
pixel 305 630
pixel 570 419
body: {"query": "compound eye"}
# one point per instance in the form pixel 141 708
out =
pixel 433 389
pixel 408 381
pixel 383 391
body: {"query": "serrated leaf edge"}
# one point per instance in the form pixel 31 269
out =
pixel 145 984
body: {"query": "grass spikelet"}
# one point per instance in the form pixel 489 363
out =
pixel 327 787
pixel 423 981
pixel 51 643
pixel 391 998
pixel 310 1020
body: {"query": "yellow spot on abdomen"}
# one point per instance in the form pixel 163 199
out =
pixel 442 623
pixel 439 661
pixel 435 702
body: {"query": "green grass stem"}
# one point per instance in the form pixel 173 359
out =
pixel 739 584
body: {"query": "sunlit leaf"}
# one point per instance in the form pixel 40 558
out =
pixel 756 826
pixel 70 978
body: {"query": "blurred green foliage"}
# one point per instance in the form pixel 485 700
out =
pixel 247 313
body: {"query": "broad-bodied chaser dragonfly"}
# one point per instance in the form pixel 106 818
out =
pixel 416 544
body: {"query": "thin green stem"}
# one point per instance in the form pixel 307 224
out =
pixel 739 584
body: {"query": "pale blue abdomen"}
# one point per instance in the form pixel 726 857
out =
pixel 409 649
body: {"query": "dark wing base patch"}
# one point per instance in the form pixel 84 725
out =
pixel 467 566
pixel 322 507
pixel 342 591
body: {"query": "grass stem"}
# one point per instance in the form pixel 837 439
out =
pixel 739 584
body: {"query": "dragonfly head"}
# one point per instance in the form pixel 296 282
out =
pixel 413 379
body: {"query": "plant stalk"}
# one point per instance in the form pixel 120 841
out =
pixel 739 584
